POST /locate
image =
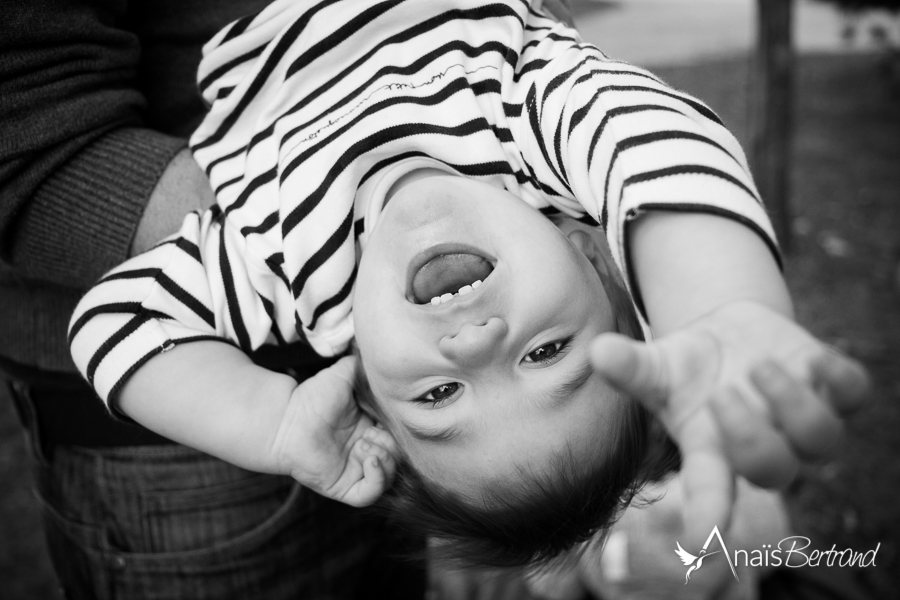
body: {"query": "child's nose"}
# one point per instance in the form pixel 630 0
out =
pixel 474 344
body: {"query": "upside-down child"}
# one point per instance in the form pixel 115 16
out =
pixel 384 172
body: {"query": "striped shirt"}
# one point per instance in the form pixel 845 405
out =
pixel 318 106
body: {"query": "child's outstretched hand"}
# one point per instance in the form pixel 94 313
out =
pixel 741 390
pixel 329 445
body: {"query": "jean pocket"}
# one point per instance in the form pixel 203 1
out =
pixel 85 535
pixel 204 518
pixel 272 559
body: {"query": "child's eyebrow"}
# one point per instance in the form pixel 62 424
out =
pixel 563 391
pixel 447 434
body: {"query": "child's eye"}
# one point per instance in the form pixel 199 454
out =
pixel 548 352
pixel 440 394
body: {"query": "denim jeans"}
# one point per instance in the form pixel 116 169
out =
pixel 166 521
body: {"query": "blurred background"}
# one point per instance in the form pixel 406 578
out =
pixel 841 201
pixel 679 32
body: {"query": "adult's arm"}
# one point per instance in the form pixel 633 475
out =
pixel 78 168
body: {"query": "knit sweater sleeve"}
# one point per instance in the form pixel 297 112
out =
pixel 76 166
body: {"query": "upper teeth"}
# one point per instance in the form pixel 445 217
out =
pixel 462 292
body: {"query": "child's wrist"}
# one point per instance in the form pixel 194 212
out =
pixel 290 424
pixel 741 308
pixel 686 265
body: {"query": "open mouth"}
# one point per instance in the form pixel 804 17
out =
pixel 445 275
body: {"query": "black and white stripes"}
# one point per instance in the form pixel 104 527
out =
pixel 317 107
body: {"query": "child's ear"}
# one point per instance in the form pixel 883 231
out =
pixel 588 245
pixel 592 244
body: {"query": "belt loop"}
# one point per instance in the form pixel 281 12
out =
pixel 25 409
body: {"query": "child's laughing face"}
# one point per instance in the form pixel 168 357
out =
pixel 496 376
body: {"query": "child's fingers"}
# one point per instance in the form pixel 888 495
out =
pixel 381 437
pixel 807 421
pixel 707 478
pixel 367 474
pixel 365 449
pixel 845 381
pixel 373 483
pixel 637 369
pixel 753 447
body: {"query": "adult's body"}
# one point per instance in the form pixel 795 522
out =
pixel 97 98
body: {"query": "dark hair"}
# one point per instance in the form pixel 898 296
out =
pixel 538 516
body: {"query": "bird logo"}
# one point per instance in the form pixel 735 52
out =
pixel 688 559
pixel 695 562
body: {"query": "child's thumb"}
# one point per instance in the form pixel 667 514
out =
pixel 635 368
